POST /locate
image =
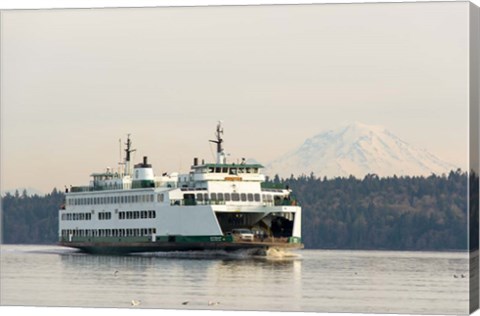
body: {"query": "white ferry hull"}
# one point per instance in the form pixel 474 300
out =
pixel 219 206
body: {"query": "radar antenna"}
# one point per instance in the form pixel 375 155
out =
pixel 219 141
pixel 128 151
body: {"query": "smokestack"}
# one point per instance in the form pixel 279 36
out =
pixel 195 161
pixel 144 160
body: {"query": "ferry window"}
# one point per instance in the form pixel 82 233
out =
pixel 136 214
pixel 129 215
pixel 205 195
pixel 143 214
pixel 249 170
pixel 227 197
pixel 210 169
pixel 160 197
pixel 235 197
pixel 233 171
pixel 213 196
pixel 224 170
pixel 218 170
pixel 154 214
pixel 200 196
pixel 241 170
pixel 220 196
pixel 243 197
pixel 152 198
pixel 255 170
pixel 250 197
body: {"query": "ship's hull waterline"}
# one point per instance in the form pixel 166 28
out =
pixel 165 246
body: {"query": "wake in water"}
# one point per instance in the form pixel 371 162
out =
pixel 242 254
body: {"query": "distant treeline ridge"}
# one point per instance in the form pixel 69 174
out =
pixel 393 213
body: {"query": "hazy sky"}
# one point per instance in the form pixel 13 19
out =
pixel 75 81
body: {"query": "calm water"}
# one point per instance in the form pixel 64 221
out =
pixel 321 281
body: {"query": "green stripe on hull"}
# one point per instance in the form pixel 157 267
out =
pixel 179 239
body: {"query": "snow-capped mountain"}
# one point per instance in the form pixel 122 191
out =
pixel 357 149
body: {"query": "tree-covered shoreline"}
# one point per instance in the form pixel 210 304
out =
pixel 393 213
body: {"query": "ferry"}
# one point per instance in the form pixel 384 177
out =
pixel 216 206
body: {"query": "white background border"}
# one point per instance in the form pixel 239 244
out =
pixel 48 4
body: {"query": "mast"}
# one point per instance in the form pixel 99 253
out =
pixel 221 159
pixel 128 151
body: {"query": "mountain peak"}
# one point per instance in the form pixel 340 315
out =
pixel 357 149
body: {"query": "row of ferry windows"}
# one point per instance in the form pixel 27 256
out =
pixel 231 170
pixel 108 215
pixel 136 214
pixel 127 232
pixel 101 200
pixel 235 197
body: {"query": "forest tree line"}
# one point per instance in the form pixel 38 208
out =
pixel 394 213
